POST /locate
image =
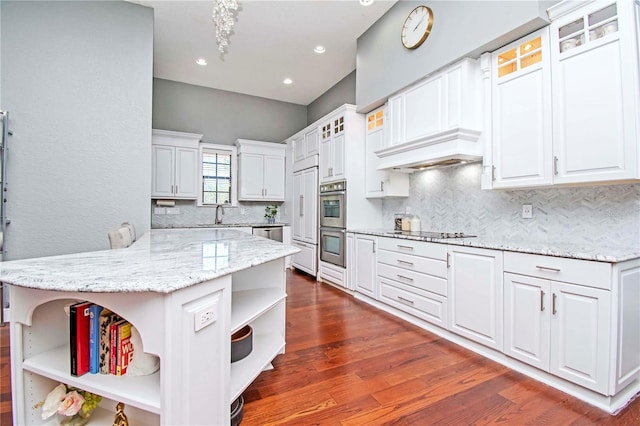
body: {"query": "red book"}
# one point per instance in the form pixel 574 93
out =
pixel 113 351
pixel 79 338
pixel 125 348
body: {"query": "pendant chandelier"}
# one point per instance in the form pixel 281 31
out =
pixel 224 17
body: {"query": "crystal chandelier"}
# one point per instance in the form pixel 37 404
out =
pixel 224 18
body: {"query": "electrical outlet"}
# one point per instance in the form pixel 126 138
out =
pixel 242 211
pixel 206 316
pixel 527 211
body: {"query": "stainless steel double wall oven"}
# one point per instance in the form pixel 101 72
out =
pixel 333 222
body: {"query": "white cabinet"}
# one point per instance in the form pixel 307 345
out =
pixel 305 206
pixel 307 258
pixel 174 164
pixel 436 119
pixel 306 146
pixel 595 73
pixel 261 171
pixel 365 265
pixel 332 145
pixel 412 277
pixel 521 113
pixel 475 294
pixel 560 327
pixel 380 183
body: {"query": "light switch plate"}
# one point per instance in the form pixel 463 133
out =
pixel 527 211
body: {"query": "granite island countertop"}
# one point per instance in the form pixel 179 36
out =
pixel 221 225
pixel 531 246
pixel 160 261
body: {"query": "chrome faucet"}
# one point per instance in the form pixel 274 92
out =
pixel 218 220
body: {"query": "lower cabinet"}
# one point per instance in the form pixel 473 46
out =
pixel 365 265
pixel 306 258
pixel 561 328
pixel 475 294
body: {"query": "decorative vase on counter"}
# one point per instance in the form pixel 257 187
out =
pixel 271 220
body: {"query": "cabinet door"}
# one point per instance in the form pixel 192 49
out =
pixel 521 113
pixel 310 206
pixel 186 185
pixel 374 179
pixel 475 294
pixel 298 208
pixel 274 177
pixel 423 113
pixel 580 331
pixel 312 142
pixel 299 149
pixel 338 167
pixel 163 171
pixel 526 319
pixel 396 120
pixel 594 104
pixel 325 160
pixel 306 258
pixel 251 168
pixel 366 265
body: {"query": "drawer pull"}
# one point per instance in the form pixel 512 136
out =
pixel 407 301
pixel 405 247
pixel 546 268
pixel 541 300
pixel 404 262
pixel 553 304
pixel 404 278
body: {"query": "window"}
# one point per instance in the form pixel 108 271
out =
pixel 217 177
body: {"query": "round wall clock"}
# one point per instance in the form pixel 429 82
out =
pixel 416 27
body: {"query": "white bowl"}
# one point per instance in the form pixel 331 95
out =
pixel 611 27
pixel 568 44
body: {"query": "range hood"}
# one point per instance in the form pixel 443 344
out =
pixel 451 147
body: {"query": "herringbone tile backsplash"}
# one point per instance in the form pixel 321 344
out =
pixel 450 199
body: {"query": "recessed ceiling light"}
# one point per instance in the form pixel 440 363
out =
pixel 201 61
pixel 287 81
pixel 319 49
pixel 366 2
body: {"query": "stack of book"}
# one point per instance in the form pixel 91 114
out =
pixel 100 341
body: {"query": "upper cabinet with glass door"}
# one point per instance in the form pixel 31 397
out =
pixel 594 64
pixel 521 113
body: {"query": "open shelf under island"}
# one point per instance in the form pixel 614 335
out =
pixel 160 284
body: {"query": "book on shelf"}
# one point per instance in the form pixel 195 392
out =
pixel 94 338
pixel 113 350
pixel 104 356
pixel 124 348
pixel 79 338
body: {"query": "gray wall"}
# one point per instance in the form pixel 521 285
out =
pixel 460 29
pixel 343 92
pixel 76 78
pixel 221 116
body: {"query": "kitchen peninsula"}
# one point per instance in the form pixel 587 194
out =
pixel 169 285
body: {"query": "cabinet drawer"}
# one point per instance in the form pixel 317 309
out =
pixel 305 259
pixel 414 279
pixel 583 272
pixel 431 308
pixel 416 248
pixel 424 265
pixel 332 273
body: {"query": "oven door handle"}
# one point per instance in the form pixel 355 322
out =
pixel 322 194
pixel 332 229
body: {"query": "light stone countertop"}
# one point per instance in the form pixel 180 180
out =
pixel 222 225
pixel 531 246
pixel 162 261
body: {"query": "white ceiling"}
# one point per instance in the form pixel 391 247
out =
pixel 271 40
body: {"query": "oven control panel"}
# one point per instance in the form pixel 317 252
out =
pixel 334 186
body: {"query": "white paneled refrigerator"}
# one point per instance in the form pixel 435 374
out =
pixel 305 219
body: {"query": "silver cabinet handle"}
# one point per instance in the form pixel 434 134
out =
pixel 177 189
pixel 555 165
pixel 172 189
pixel 402 299
pixel 301 205
pixel 381 186
pixel 553 304
pixel 493 173
pixel 448 257
pixel 541 300
pixel 405 247
pixel 404 278
pixel 265 192
pixel 404 262
pixel 546 268
pixel 374 246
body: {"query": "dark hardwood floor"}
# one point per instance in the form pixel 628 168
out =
pixel 347 363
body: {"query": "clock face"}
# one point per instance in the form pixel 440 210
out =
pixel 416 27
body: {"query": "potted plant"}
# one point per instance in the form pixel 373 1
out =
pixel 270 213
